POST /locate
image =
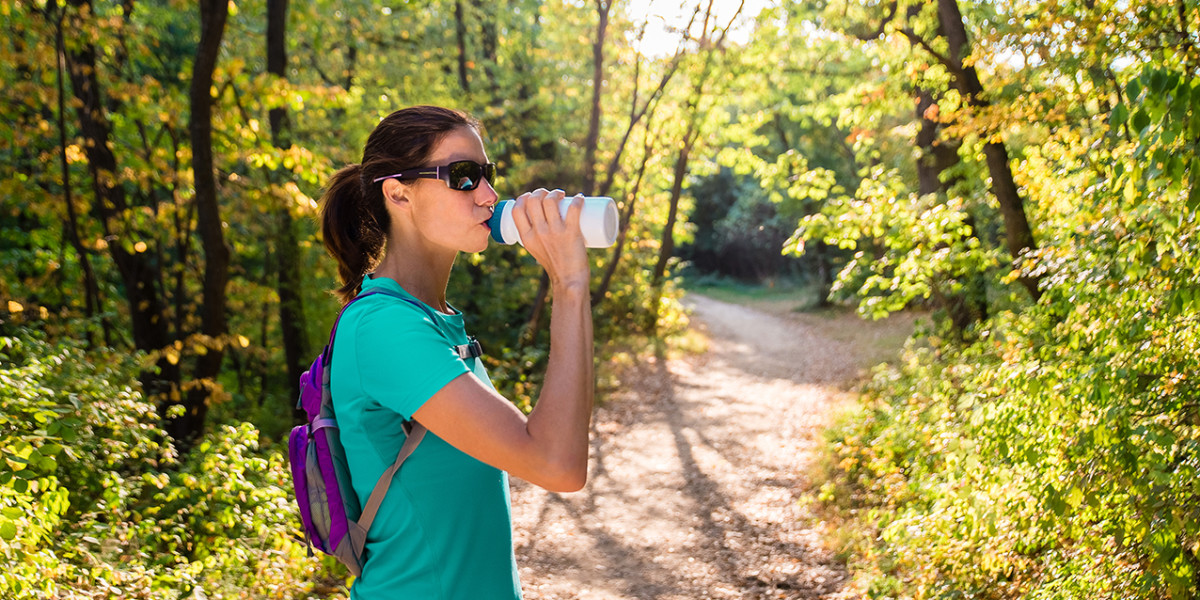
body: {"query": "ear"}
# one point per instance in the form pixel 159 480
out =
pixel 395 192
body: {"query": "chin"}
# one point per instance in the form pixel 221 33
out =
pixel 476 247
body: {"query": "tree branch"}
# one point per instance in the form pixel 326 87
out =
pixel 878 32
pixel 954 66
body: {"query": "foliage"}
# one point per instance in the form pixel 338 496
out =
pixel 1040 439
pixel 105 281
pixel 738 231
pixel 1053 453
pixel 85 469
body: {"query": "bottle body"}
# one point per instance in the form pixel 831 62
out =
pixel 598 222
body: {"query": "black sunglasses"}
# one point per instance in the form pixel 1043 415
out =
pixel 461 175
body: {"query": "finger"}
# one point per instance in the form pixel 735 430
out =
pixel 574 212
pixel 520 213
pixel 535 210
pixel 550 205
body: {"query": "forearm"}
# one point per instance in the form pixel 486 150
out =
pixel 561 418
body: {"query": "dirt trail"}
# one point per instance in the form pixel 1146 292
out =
pixel 697 464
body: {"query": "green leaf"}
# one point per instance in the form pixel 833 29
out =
pixel 1120 114
pixel 1054 500
pixel 8 529
pixel 1140 121
pixel 1132 90
pixel 1158 82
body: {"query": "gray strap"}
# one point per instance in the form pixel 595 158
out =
pixel 385 481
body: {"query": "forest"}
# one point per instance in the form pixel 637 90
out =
pixel 1025 172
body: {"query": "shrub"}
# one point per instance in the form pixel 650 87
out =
pixel 85 467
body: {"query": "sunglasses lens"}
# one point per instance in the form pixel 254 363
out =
pixel 466 175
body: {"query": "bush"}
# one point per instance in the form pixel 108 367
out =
pixel 1057 457
pixel 85 466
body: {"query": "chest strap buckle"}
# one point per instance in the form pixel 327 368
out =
pixel 471 349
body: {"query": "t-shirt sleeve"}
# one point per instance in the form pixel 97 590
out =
pixel 403 358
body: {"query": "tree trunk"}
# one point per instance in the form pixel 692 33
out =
pixel 969 306
pixel 1018 234
pixel 290 279
pixel 460 31
pixel 626 217
pixel 593 134
pixel 710 47
pixel 667 249
pixel 489 42
pixel 635 115
pixel 92 303
pixel 187 427
pixel 138 274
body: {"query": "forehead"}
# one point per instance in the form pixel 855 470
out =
pixel 463 143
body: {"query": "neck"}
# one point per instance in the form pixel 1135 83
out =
pixel 421 271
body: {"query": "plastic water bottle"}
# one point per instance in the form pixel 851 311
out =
pixel 598 222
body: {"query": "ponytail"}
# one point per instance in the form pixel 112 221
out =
pixel 354 227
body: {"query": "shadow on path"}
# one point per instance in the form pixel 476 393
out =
pixel 696 466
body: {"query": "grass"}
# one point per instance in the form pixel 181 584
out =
pixel 775 296
pixel 798 300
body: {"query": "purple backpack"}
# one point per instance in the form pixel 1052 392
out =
pixel 333 520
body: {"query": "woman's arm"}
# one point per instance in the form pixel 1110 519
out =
pixel 550 447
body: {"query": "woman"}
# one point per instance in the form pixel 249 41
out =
pixel 395 223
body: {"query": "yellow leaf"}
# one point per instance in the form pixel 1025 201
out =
pixel 244 341
pixel 139 247
pixel 15 307
pixel 75 154
pixel 172 355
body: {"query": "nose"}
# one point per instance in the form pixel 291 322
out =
pixel 485 194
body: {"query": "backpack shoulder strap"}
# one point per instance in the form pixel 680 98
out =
pixel 415 434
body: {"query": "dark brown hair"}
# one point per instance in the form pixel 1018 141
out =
pixel 354 220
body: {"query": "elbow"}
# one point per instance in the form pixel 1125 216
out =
pixel 574 481
pixel 567 484
pixel 564 478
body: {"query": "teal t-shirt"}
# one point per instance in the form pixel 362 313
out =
pixel 444 530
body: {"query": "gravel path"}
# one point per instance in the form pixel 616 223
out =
pixel 696 467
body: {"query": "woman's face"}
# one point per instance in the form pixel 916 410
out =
pixel 454 218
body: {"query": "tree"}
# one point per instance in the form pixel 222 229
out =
pixel 213 322
pixel 950 27
pixel 593 134
pixel 289 280
pixel 711 41
pixel 138 273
